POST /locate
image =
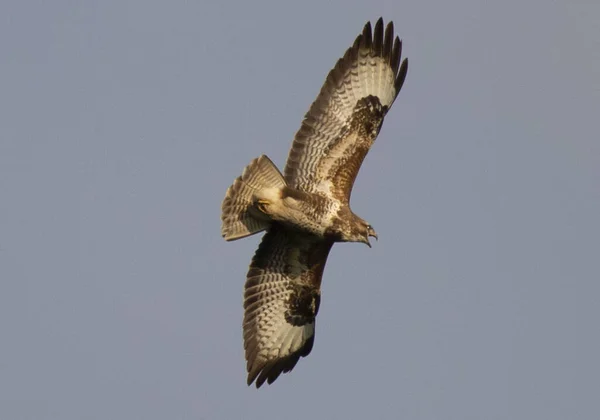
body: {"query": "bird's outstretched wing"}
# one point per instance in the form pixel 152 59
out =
pixel 344 120
pixel 281 301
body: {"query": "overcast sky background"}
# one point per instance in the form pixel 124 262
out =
pixel 124 122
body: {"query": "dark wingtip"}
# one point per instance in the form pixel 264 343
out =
pixel 367 35
pixel 384 43
pixel 401 75
pixel 252 374
pixel 378 37
pixel 396 54
pixel 388 40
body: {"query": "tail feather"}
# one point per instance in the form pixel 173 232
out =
pixel 236 212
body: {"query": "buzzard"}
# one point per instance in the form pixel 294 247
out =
pixel 307 209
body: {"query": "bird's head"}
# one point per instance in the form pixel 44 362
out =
pixel 363 231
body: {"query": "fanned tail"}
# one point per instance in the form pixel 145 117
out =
pixel 237 216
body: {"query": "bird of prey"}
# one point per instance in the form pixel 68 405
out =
pixel 307 209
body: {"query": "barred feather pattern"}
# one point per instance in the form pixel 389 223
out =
pixel 238 221
pixel 281 301
pixel 371 67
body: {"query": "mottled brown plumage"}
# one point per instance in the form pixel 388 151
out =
pixel 307 210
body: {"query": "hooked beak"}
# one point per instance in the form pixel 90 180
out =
pixel 371 232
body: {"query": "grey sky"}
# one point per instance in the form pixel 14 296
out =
pixel 123 123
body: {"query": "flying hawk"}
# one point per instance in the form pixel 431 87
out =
pixel 306 210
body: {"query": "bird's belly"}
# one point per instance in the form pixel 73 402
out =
pixel 311 216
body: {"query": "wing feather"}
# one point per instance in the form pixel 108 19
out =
pixel 281 301
pixel 369 69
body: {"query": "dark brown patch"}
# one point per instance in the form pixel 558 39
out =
pixel 366 122
pixel 302 304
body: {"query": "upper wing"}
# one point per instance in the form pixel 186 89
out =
pixel 281 301
pixel 339 128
